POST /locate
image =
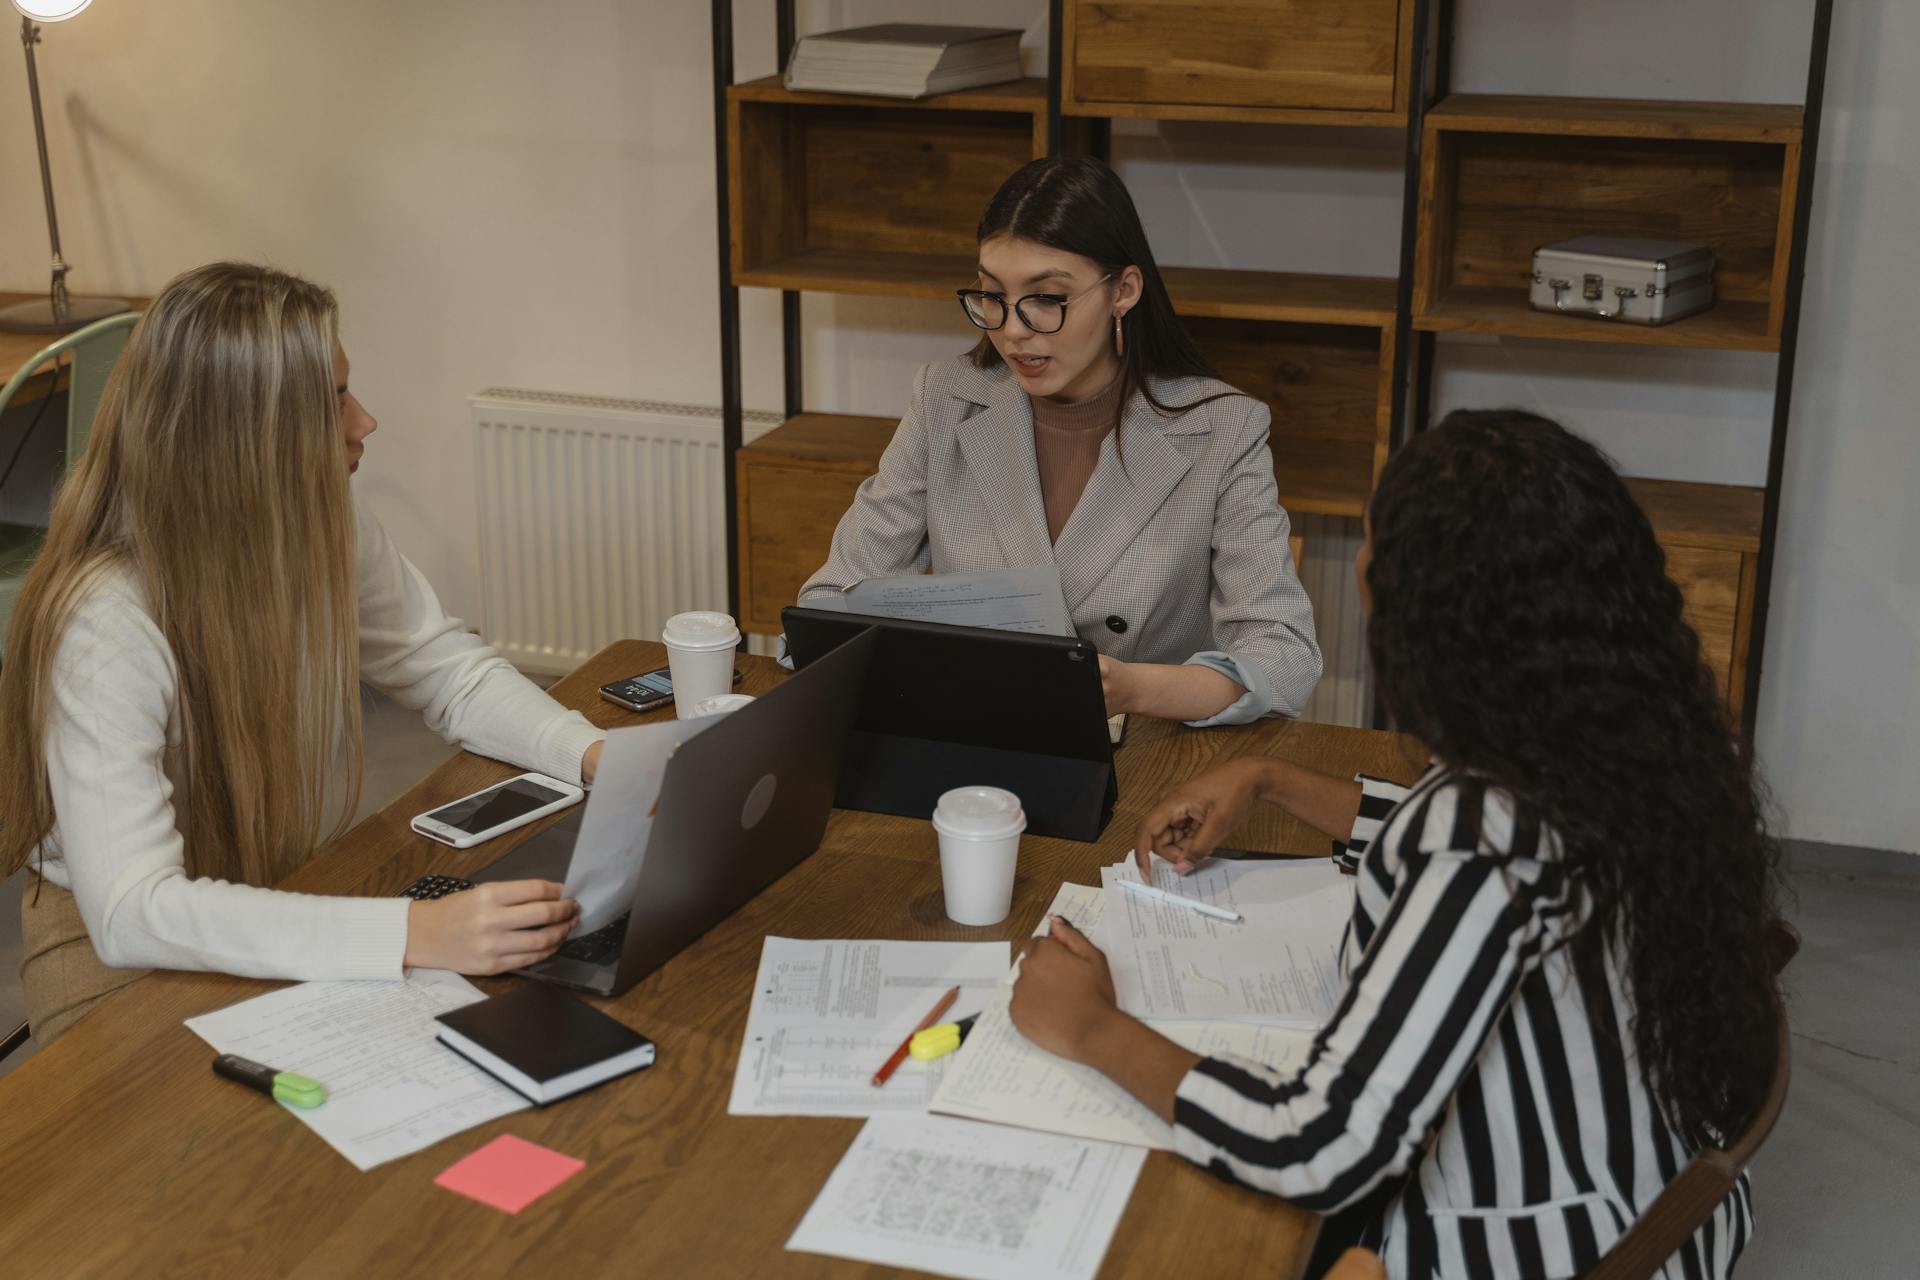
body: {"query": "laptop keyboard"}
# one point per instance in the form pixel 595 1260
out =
pixel 602 946
pixel 427 888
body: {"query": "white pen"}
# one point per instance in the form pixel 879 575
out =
pixel 1204 908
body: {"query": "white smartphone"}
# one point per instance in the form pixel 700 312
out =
pixel 486 814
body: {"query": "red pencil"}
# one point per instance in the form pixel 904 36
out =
pixel 900 1054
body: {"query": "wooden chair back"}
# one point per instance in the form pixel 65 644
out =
pixel 1664 1229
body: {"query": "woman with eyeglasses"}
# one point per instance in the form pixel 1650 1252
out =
pixel 1085 430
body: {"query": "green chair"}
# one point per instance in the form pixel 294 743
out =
pixel 92 351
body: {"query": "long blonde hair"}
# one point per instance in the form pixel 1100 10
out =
pixel 216 477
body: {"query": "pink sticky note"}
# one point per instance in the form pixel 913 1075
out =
pixel 509 1173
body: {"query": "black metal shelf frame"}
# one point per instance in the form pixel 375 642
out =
pixel 1414 351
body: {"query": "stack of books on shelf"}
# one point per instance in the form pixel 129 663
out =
pixel 904 60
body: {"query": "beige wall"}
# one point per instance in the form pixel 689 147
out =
pixel 521 194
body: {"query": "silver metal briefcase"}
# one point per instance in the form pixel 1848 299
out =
pixel 1622 278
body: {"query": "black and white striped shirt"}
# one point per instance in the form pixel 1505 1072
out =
pixel 1462 1050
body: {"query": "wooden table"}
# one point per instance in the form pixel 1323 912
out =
pixel 17 348
pixel 121 1153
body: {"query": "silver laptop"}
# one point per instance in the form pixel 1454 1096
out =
pixel 741 804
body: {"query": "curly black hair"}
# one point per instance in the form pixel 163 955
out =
pixel 1523 626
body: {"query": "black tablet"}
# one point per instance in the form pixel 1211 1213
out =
pixel 947 707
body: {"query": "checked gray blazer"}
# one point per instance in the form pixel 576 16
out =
pixel 1179 555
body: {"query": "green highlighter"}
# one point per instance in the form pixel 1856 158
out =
pixel 282 1086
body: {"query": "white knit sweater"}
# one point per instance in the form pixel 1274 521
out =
pixel 113 761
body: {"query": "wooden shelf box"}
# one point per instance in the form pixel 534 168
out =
pixel 847 194
pixel 1340 62
pixel 794 483
pixel 1711 534
pixel 1501 176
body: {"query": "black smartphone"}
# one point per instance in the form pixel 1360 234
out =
pixel 646 691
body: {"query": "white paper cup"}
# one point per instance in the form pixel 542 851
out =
pixel 719 705
pixel 700 649
pixel 979 829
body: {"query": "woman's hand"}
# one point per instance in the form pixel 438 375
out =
pixel 1065 994
pixel 1064 1003
pixel 1196 816
pixel 1187 692
pixel 590 762
pixel 490 928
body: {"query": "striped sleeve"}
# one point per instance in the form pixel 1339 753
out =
pixel 1377 799
pixel 1434 981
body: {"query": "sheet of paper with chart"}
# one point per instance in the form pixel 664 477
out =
pixel 827 1013
pixel 392 1088
pixel 978 1201
pixel 613 832
pixel 1026 599
pixel 1280 964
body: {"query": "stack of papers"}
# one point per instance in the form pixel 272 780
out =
pixel 1039 1191
pixel 1279 965
pixel 904 60
pixel 392 1088
pixel 1268 1014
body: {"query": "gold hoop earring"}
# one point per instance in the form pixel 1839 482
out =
pixel 1119 337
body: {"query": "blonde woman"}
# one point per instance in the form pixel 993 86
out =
pixel 181 684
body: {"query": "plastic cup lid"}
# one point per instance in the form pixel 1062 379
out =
pixel 980 813
pixel 701 629
pixel 721 703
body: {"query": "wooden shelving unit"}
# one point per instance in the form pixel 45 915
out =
pixel 843 194
pixel 1500 176
pixel 1322 62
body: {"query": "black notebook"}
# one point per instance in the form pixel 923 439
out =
pixel 543 1042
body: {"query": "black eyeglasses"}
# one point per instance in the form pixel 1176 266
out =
pixel 1040 312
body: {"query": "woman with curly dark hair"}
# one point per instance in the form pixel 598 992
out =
pixel 1558 983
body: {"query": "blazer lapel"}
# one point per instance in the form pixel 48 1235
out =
pixel 1120 502
pixel 997 443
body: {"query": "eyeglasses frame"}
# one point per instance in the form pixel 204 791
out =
pixel 1013 308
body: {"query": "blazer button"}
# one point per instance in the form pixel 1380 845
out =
pixel 1116 624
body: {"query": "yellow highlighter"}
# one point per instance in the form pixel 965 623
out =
pixel 938 1042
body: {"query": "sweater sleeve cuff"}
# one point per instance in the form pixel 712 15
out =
pixel 372 939
pixel 1377 800
pixel 1256 702
pixel 564 744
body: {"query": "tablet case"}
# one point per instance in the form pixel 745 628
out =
pixel 947 707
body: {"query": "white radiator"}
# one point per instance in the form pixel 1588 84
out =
pixel 599 520
pixel 1345 694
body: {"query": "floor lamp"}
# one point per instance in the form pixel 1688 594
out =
pixel 56 313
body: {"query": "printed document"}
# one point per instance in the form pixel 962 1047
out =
pixel 392 1088
pixel 1280 964
pixel 1003 599
pixel 613 834
pixel 827 1014
pixel 973 1200
pixel 1001 1076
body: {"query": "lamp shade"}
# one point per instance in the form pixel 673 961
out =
pixel 50 10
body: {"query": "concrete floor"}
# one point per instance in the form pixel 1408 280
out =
pixel 1836 1185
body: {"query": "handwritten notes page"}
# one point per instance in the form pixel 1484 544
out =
pixel 827 1014
pixel 392 1088
pixel 1280 964
pixel 971 1200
